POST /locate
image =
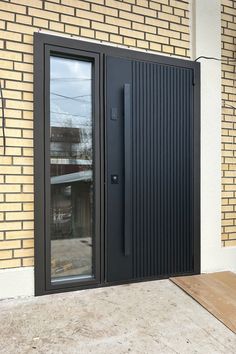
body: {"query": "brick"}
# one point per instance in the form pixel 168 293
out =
pixel 10 206
pixel 28 152
pixel 59 8
pixel 31 3
pixel 167 9
pixel 90 16
pixel 155 46
pixel 145 28
pixel 19 47
pixel 131 16
pixel 143 3
pixel 132 33
pixel 72 30
pixel 28 243
pixel 20 234
pixel 14 8
pixel 77 4
pixel 24 67
pixel 75 21
pixel 130 42
pixel 27 134
pixel 23 19
pixel 10 263
pixel 6 245
pixel 168 33
pixel 23 161
pixel 15 27
pixel 144 11
pixel 7 16
pixel 28 262
pixel 28 206
pixel 19 142
pixel 28 115
pixel 21 197
pixel 179 4
pixel 102 36
pixel 41 23
pixel 17 95
pixel 24 215
pixel 28 225
pixel 168 49
pixel 178 12
pixel 5 254
pixel 7 74
pixel 168 17
pixel 4 188
pixel 157 38
pixel 27 170
pixel 28 252
pixel 8 55
pixel 28 77
pixel 10 36
pixel 179 28
pixel 48 15
pixel 11 170
pixel 116 38
pixel 55 26
pixel 104 27
pixel 13 151
pixel 118 5
pixel 87 33
pixel 118 22
pixel 179 43
pixel 230 243
pixel 28 188
pixel 19 179
pixel 5 160
pixel 104 10
pixel 16 85
pixel 142 44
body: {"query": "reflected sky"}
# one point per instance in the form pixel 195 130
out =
pixel 70 93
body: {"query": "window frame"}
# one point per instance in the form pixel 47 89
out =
pixel 43 283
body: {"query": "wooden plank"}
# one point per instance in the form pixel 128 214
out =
pixel 216 292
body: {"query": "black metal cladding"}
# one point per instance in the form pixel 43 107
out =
pixel 161 177
pixel 162 170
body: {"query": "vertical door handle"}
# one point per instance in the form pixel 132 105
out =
pixel 127 170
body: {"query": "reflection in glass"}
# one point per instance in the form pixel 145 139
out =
pixel 71 167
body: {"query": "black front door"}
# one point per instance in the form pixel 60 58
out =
pixel 152 220
pixel 117 165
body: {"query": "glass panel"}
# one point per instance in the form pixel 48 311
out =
pixel 71 165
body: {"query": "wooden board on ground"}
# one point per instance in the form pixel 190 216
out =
pixel 215 291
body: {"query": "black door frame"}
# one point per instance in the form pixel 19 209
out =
pixel 43 43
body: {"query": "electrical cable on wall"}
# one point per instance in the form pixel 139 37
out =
pixel 217 59
pixel 3 120
pixel 227 61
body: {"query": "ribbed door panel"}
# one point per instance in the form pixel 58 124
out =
pixel 162 170
pixel 162 182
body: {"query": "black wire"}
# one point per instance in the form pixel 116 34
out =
pixel 228 105
pixel 3 121
pixel 217 59
pixel 69 114
pixel 76 98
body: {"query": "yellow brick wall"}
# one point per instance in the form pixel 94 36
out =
pixel 228 123
pixel 157 25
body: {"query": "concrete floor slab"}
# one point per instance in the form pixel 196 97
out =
pixel 150 317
